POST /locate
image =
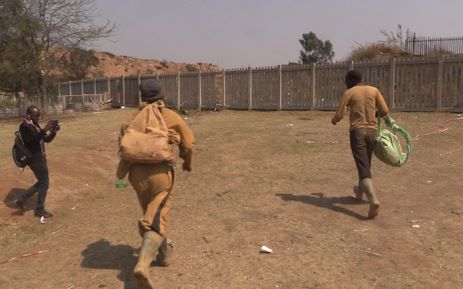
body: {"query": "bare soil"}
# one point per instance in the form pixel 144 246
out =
pixel 279 179
pixel 117 65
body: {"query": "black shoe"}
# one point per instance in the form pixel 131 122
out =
pixel 19 204
pixel 43 213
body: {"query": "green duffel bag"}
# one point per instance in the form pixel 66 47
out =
pixel 388 148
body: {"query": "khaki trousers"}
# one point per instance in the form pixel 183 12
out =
pixel 153 184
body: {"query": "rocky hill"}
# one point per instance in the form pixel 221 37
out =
pixel 116 65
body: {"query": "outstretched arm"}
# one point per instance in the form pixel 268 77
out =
pixel 31 135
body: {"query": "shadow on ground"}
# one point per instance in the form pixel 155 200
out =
pixel 103 255
pixel 319 200
pixel 13 194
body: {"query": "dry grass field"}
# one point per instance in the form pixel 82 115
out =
pixel 280 179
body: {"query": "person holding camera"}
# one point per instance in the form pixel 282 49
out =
pixel 34 138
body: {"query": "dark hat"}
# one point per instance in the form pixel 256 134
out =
pixel 150 90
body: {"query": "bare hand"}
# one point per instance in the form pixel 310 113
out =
pixel 50 124
pixel 55 128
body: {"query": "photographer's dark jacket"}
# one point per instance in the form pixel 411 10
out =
pixel 34 138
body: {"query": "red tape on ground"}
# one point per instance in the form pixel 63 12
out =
pixel 24 256
pixel 440 130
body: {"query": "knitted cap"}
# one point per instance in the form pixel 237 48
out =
pixel 150 90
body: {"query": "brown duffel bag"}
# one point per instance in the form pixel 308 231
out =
pixel 146 138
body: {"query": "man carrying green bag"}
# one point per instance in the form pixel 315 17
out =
pixel 363 101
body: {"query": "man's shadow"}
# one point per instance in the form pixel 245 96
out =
pixel 319 200
pixel 14 194
pixel 103 255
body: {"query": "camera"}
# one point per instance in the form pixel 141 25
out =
pixel 55 123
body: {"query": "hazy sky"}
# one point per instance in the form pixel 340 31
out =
pixel 264 32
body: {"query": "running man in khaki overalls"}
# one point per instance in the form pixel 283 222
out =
pixel 153 184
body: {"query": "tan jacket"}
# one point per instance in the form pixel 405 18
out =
pixel 362 101
pixel 178 129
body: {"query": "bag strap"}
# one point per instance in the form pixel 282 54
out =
pixel 378 131
pixel 158 114
pixel 18 133
pixel 408 139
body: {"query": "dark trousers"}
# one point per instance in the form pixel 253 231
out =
pixel 362 144
pixel 40 170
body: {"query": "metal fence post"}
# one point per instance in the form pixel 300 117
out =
pixel 313 86
pixel 392 84
pixel 123 90
pixel 70 92
pixel 59 95
pixel 250 89
pixel 280 86
pixel 178 91
pixel 62 97
pixel 440 69
pixel 138 87
pixel 199 91
pixel 20 107
pixel 82 94
pixel 223 88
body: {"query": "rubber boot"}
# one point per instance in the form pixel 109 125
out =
pixel 165 253
pixel 150 245
pixel 367 186
pixel 358 192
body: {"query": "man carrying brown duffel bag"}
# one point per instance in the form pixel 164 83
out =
pixel 146 154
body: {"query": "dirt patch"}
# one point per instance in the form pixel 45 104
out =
pixel 116 65
pixel 280 179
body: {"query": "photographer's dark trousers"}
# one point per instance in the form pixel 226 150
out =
pixel 40 170
pixel 362 143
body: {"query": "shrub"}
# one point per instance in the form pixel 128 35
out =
pixel 376 51
pixel 191 68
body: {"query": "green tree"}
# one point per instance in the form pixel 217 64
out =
pixel 314 50
pixel 15 57
pixel 48 31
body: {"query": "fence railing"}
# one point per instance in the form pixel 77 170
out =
pixel 418 45
pixel 416 84
pixel 12 105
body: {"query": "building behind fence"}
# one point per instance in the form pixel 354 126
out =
pixel 424 84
